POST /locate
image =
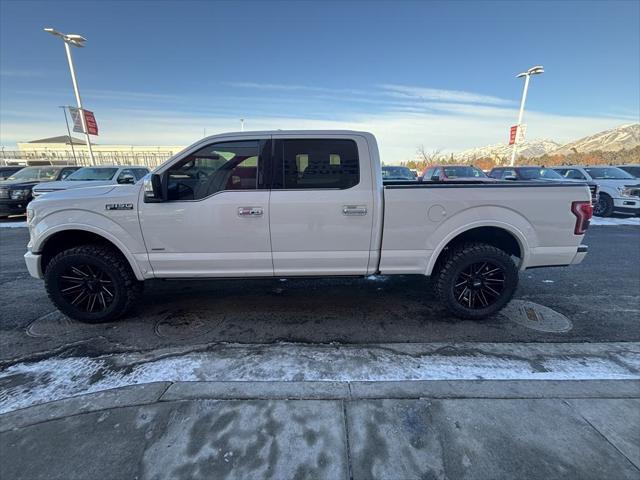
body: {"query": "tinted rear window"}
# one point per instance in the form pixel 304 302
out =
pixel 316 164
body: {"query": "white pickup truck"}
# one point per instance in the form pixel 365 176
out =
pixel 298 203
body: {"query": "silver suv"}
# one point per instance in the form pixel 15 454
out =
pixel 618 189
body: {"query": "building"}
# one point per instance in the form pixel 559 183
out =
pixel 71 150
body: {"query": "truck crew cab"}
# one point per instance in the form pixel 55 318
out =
pixel 298 203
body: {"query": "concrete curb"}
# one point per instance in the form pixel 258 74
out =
pixel 149 393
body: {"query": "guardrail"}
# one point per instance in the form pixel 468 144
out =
pixel 67 157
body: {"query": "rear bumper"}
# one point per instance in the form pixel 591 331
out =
pixel 542 257
pixel 580 254
pixel 33 261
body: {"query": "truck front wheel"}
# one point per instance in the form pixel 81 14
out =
pixel 91 283
pixel 476 280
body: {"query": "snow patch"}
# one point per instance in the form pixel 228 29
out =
pixel 56 378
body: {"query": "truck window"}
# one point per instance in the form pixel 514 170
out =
pixel 216 167
pixel 140 172
pixel 316 164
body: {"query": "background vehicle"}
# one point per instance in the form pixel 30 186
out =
pixel 94 176
pixel 7 171
pixel 16 191
pixel 391 173
pixel 444 173
pixel 633 170
pixel 298 203
pixel 615 194
pixel 529 173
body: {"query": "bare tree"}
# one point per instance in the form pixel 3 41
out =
pixel 428 157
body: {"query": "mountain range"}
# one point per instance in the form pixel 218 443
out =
pixel 624 137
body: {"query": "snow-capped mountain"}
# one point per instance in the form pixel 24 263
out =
pixel 528 149
pixel 623 137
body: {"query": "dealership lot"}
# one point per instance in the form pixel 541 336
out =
pixel 332 378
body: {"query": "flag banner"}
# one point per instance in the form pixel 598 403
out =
pixel 90 120
pixel 77 121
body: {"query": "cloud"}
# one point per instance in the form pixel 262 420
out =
pixel 21 73
pixel 296 88
pixel 433 94
pixel 402 117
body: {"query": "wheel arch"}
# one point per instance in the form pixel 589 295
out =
pixel 57 240
pixel 503 236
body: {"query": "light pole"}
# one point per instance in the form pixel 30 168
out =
pixel 538 69
pixel 242 124
pixel 77 41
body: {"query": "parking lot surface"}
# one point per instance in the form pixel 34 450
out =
pixel 599 298
pixel 328 378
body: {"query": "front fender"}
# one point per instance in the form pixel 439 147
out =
pixel 128 240
pixel 509 220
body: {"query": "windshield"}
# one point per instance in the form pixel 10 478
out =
pixel 463 172
pixel 397 172
pixel 531 173
pixel 35 173
pixel 90 173
pixel 608 173
pixel 634 171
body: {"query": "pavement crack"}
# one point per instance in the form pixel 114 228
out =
pixel 347 440
pixel 606 439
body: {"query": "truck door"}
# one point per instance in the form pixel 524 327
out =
pixel 321 205
pixel 215 221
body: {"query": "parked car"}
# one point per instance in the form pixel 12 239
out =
pixel 16 191
pixel 7 170
pixel 95 176
pixel 393 173
pixel 296 203
pixel 446 173
pixel 540 174
pixel 633 170
pixel 618 189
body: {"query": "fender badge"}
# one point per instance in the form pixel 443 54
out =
pixel 119 206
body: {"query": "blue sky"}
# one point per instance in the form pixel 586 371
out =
pixel 439 74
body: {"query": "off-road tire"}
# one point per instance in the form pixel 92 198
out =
pixel 604 207
pixel 462 257
pixel 127 290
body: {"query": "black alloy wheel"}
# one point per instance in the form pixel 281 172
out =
pixel 92 283
pixel 475 280
pixel 479 285
pixel 86 288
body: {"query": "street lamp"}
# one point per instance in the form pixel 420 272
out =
pixel 537 70
pixel 76 41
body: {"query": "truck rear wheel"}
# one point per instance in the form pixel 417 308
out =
pixel 91 283
pixel 476 280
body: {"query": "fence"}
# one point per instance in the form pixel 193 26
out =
pixel 66 157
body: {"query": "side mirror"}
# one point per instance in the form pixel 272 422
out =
pixel 510 177
pixel 153 191
pixel 126 179
pixel 435 178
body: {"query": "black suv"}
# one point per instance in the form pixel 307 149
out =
pixel 15 191
pixel 7 170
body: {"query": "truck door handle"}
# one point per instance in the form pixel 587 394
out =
pixel 354 210
pixel 250 211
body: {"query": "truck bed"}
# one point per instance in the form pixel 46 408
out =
pixel 420 219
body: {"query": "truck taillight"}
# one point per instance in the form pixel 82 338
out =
pixel 583 212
